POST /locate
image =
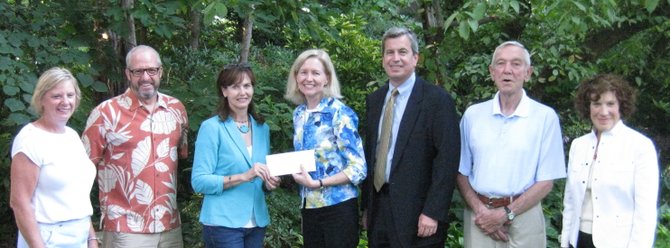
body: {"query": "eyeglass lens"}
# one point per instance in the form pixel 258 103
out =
pixel 139 72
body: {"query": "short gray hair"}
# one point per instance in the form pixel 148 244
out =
pixel 142 48
pixel 526 54
pixel 396 32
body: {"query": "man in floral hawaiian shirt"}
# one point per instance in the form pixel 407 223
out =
pixel 135 139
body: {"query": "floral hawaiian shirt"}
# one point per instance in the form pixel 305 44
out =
pixel 331 129
pixel 136 154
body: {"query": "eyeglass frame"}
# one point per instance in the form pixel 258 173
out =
pixel 140 72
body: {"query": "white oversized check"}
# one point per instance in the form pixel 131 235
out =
pixel 289 162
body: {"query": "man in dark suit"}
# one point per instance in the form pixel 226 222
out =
pixel 412 149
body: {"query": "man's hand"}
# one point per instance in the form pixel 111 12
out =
pixel 427 226
pixel 490 220
pixel 501 234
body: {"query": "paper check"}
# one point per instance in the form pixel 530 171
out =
pixel 289 162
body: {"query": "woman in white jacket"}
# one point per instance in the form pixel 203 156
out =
pixel 612 187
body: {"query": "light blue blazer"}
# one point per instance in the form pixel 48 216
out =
pixel 220 151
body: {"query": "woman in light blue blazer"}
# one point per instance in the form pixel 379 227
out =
pixel 229 165
pixel 612 187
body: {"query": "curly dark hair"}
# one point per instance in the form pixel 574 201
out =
pixel 229 75
pixel 591 89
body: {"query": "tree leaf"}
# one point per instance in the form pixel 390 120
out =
pixel 474 24
pixel 450 20
pixel 479 11
pixel 463 30
pixel 85 79
pixel 10 90
pixel 515 6
pixel 214 9
pixel 579 5
pixel 19 118
pixel 99 86
pixel 651 5
pixel 14 105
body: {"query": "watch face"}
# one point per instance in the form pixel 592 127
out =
pixel 510 214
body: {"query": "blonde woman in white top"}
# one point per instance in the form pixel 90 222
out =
pixel 51 175
pixel 613 176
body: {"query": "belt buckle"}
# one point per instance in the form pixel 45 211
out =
pixel 489 204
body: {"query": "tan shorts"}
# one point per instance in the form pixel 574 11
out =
pixel 167 239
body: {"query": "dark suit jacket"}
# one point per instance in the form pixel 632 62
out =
pixel 424 165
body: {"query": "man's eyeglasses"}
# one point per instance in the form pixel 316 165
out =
pixel 152 71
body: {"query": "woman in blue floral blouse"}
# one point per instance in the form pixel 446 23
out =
pixel 329 196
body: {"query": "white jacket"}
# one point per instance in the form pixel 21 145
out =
pixel 624 189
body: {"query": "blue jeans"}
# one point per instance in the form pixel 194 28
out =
pixel 225 237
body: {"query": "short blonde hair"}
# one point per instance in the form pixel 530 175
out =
pixel 331 89
pixel 49 80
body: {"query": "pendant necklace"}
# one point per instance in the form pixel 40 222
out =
pixel 242 126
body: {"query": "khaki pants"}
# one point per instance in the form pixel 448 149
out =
pixel 527 231
pixel 167 239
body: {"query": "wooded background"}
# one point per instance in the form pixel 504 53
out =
pixel 570 40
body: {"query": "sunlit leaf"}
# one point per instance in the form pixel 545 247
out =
pixel 474 24
pixel 515 6
pixel 650 5
pixel 463 30
pixel 212 10
pixel 479 11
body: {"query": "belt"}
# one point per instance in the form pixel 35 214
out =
pixel 497 202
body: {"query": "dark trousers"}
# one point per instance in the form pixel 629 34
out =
pixel 331 227
pixel 584 240
pixel 381 235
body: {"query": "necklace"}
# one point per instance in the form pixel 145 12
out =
pixel 242 126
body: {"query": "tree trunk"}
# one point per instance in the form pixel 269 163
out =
pixel 246 38
pixel 131 40
pixel 433 21
pixel 196 18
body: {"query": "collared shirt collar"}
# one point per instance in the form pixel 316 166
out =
pixel 405 88
pixel 134 101
pixel 522 110
pixel 617 129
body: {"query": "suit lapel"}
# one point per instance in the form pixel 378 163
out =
pixel 234 134
pixel 409 119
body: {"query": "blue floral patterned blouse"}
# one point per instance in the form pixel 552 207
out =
pixel 331 129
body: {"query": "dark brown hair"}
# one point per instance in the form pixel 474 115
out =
pixel 591 89
pixel 230 75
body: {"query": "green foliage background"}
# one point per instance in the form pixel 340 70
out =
pixel 569 41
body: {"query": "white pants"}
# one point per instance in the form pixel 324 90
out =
pixel 65 234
